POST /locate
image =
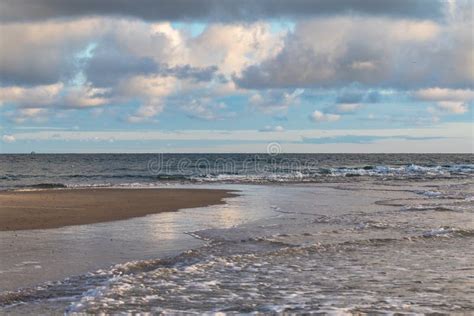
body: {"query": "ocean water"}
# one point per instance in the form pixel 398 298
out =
pixel 350 234
pixel 73 170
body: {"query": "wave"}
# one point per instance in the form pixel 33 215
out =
pixel 437 208
pixel 404 172
pixel 448 232
pixel 411 171
pixel 269 175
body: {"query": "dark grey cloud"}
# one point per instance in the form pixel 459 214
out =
pixel 214 10
pixel 198 74
pixel 371 52
pixel 111 63
pixel 31 55
pixel 358 96
pixel 31 73
pixel 105 52
pixel 106 69
pixel 41 64
pixel 350 97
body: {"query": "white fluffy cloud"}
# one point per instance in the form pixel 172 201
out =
pixel 54 95
pixel 234 47
pixel 453 107
pixel 205 108
pixel 150 91
pixel 442 94
pixel 147 112
pixel 455 101
pixel 318 116
pixel 41 95
pixel 275 101
pixel 8 138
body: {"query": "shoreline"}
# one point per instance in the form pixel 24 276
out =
pixel 48 209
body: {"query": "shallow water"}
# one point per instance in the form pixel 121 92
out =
pixel 377 246
pixel 32 256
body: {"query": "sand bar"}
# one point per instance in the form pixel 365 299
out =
pixel 21 210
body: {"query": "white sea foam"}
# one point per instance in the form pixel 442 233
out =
pixel 332 279
pixel 440 232
pixel 430 193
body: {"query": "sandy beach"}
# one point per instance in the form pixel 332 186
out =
pixel 22 210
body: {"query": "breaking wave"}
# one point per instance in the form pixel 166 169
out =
pixel 318 175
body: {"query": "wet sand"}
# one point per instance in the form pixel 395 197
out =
pixel 22 210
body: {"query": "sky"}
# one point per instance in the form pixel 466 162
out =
pixel 235 76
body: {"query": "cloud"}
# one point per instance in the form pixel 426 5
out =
pixel 147 112
pixel 156 92
pixel 42 95
pixel 454 101
pixel 318 116
pixel 84 97
pixel 105 70
pixel 232 47
pixel 204 108
pixel 43 53
pixel 8 138
pixel 187 71
pixel 453 107
pixel 147 86
pixel 150 91
pixel 136 48
pixel 84 55
pixel 34 114
pixel 442 94
pixel 345 108
pixel 215 10
pixel 350 100
pixel 350 97
pixel 335 52
pixel 102 61
pixel 275 101
pixel 54 95
pixel 358 96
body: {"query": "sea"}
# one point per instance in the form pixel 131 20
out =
pixel 128 170
pixel 342 234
